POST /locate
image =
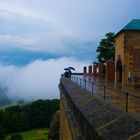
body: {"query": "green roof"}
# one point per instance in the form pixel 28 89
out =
pixel 133 25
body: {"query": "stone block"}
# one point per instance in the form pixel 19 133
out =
pixel 124 128
pixel 90 70
pixel 100 73
pixel 95 70
pixel 110 70
pixel 85 70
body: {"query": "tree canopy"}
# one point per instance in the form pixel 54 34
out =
pixel 37 114
pixel 106 48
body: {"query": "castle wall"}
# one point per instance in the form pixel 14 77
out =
pixel 65 133
pixel 86 117
pixel 132 55
pixel 110 71
pixel 127 49
pixel 119 53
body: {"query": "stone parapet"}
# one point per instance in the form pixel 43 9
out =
pixel 68 127
pixel 85 70
pixel 96 119
pixel 95 70
pixel 100 68
pixel 110 70
pixel 90 70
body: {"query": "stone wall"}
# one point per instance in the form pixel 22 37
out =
pixel 110 70
pixel 85 70
pixel 119 54
pixel 65 133
pixel 90 118
pixel 90 70
pixel 69 129
pixel 100 73
pixel 132 54
pixel 127 47
pixel 95 70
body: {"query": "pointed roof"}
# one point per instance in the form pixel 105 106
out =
pixel 133 25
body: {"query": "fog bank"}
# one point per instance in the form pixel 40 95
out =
pixel 39 79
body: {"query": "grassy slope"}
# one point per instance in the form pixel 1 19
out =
pixel 35 134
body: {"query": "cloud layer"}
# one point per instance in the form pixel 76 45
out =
pixel 39 79
pixel 61 27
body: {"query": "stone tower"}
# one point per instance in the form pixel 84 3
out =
pixel 127 54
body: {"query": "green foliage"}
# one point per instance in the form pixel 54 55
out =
pixel 19 118
pixel 16 137
pixel 34 134
pixel 106 48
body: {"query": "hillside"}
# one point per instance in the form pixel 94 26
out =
pixel 19 118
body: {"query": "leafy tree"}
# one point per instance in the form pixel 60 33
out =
pixel 37 114
pixel 106 48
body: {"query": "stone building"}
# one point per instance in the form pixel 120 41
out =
pixel 127 54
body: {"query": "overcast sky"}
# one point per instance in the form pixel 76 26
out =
pixel 56 30
pixel 60 27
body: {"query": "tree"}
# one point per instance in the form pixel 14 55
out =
pixel 37 114
pixel 106 48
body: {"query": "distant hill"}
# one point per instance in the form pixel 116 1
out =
pixel 20 118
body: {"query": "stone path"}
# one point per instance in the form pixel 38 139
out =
pixel 114 93
pixel 98 119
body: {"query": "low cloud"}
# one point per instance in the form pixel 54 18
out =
pixel 39 79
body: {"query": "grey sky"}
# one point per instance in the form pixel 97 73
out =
pixel 44 36
pixel 55 26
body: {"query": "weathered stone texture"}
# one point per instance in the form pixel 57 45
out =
pixel 65 133
pixel 119 52
pixel 98 119
pixel 95 70
pixel 100 73
pixel 128 47
pixel 110 70
pixel 68 127
pixel 132 45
